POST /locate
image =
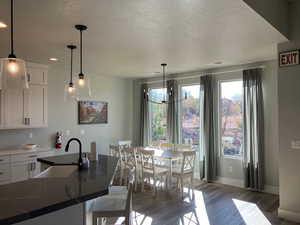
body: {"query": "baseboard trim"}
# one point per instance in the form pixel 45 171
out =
pixel 240 183
pixel 289 215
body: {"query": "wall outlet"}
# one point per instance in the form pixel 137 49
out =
pixel 230 169
pixel 82 132
pixel 30 135
pixel 295 144
pixel 68 132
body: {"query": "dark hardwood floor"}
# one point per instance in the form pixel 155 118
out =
pixel 214 204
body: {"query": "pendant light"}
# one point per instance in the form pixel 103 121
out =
pixel 13 70
pixel 166 93
pixel 84 89
pixel 70 88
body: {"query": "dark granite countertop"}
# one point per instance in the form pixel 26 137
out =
pixel 34 197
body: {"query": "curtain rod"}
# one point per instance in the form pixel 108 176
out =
pixel 200 74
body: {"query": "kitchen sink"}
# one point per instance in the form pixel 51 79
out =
pixel 58 171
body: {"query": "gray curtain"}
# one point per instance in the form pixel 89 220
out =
pixel 144 124
pixel 172 112
pixel 253 130
pixel 208 132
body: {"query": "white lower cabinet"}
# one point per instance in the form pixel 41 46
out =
pixel 20 167
pixel 5 173
pixel 20 171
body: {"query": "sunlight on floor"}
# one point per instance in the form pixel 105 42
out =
pixel 250 213
pixel 140 219
pixel 199 210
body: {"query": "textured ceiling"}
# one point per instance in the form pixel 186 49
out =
pixel 130 38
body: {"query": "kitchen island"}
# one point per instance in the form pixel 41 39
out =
pixel 64 200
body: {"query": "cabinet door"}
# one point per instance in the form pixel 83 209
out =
pixel 13 108
pixel 37 76
pixel 35 106
pixel 20 171
pixel 4 173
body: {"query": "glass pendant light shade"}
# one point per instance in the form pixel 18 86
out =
pixel 71 93
pixel 13 74
pixel 70 90
pixel 84 87
pixel 83 82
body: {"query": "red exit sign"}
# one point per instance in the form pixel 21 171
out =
pixel 289 58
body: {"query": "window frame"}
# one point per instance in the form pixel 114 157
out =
pixel 219 126
pixel 180 108
pixel 150 114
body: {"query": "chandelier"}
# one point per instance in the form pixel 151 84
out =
pixel 168 95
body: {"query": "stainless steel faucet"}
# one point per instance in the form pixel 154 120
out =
pixel 80 161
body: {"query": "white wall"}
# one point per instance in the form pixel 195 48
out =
pixel 63 116
pixel 289 125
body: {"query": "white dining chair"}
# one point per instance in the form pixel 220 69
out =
pixel 115 150
pixel 130 162
pixel 115 204
pixel 151 170
pixel 184 172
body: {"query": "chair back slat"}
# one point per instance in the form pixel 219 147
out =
pixel 147 159
pixel 188 162
pixel 114 150
pixel 130 157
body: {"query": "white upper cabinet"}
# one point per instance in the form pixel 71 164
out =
pixel 13 107
pixel 35 99
pixel 36 75
pixel 26 108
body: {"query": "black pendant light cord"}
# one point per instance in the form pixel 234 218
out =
pixel 164 78
pixel 71 75
pixel 81 52
pixel 81 28
pixel 12 55
pixel 71 47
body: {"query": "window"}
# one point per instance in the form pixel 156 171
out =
pixel 231 118
pixel 158 116
pixel 190 114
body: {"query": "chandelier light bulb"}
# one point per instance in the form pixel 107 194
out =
pixel 12 66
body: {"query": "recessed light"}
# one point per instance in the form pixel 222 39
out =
pixel 53 59
pixel 2 25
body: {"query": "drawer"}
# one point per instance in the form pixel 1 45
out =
pixel 4 159
pixel 4 172
pixel 24 157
